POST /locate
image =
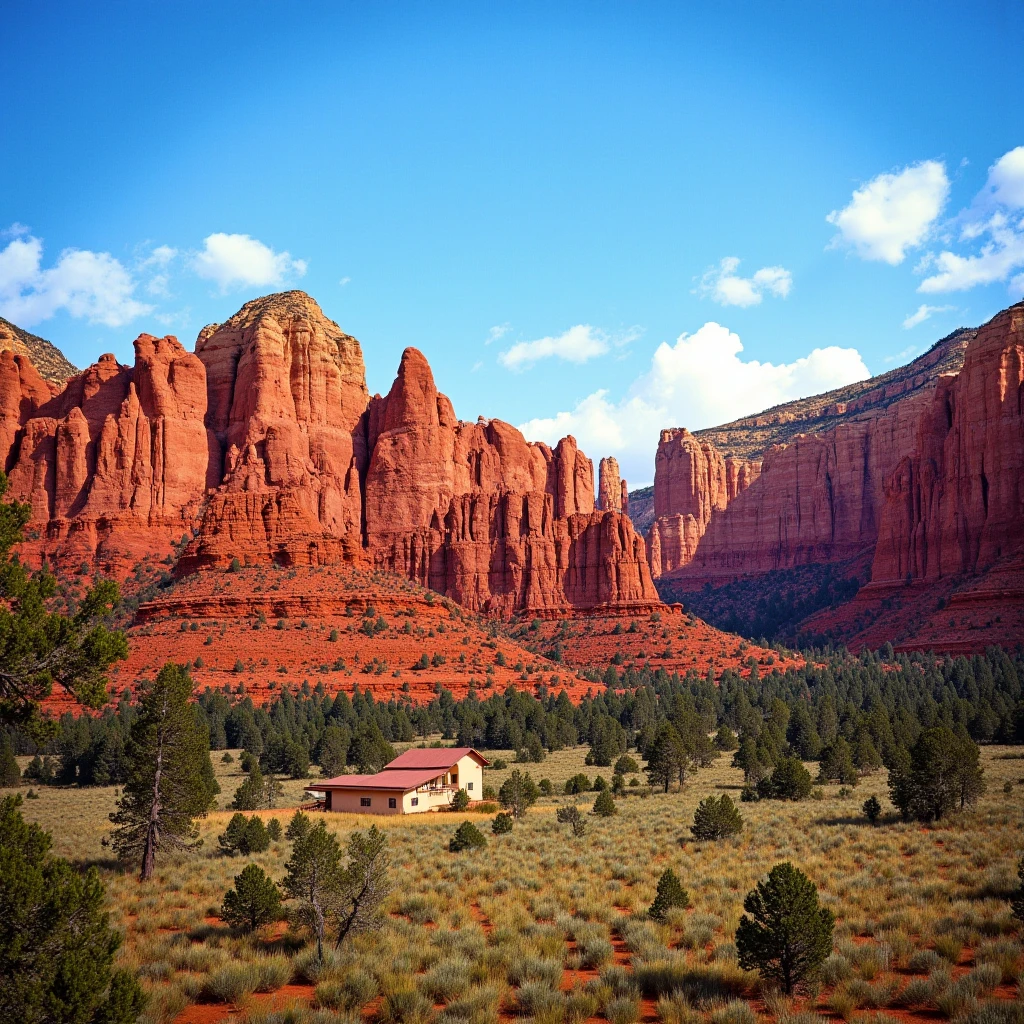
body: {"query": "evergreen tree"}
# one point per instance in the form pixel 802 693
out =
pixel 666 759
pixel 571 816
pixel 467 837
pixel 231 839
pixel 251 795
pixel 802 735
pixel 670 894
pixel 518 792
pixel 254 901
pixel 626 765
pixel 502 824
pixel 787 935
pixel 255 838
pixel 273 830
pixel 56 946
pixel 716 818
pixel 314 880
pixel 365 883
pixel 460 800
pixel 10 773
pixel 333 754
pixel 370 751
pixel 725 738
pixel 940 774
pixel 1017 899
pixel 789 781
pixel 872 809
pixel 298 827
pixel 39 647
pixel 604 805
pixel 170 776
pixel 837 764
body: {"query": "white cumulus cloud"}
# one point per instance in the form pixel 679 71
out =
pixel 576 345
pixel 242 261
pixel 87 284
pixel 892 212
pixel 921 314
pixel 727 288
pixel 700 381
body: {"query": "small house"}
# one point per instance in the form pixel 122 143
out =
pixel 418 780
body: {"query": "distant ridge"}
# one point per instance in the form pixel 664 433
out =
pixel 751 436
pixel 46 357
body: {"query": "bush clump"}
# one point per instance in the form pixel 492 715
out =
pixel 670 894
pixel 716 818
pixel 467 837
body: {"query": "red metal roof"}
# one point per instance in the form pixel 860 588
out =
pixel 398 779
pixel 441 758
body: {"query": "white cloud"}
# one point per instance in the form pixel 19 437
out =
pixel 497 332
pixel 997 258
pixel 87 284
pixel 923 313
pixel 727 288
pixel 700 381
pixel 893 212
pixel 242 261
pixel 577 345
pixel 344 281
pixel 1005 185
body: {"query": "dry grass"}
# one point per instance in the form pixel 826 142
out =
pixel 477 933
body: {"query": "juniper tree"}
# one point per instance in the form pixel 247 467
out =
pixel 365 883
pixel 251 795
pixel 170 779
pixel 273 830
pixel 460 800
pixel 716 818
pixel 231 839
pixel 39 647
pixel 837 764
pixel 56 946
pixel 313 880
pixel 502 824
pixel 518 792
pixel 787 936
pixel 939 775
pixel 789 780
pixel 254 901
pixel 298 827
pixel 10 773
pixel 467 837
pixel 666 759
pixel 571 816
pixel 255 838
pixel 670 894
pixel 604 805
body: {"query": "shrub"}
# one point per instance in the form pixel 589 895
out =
pixel 460 801
pixel 716 818
pixel 670 894
pixel 872 809
pixel 571 816
pixel 254 901
pixel 789 781
pixel 626 765
pixel 499 764
pixel 467 837
pixel 233 981
pixel 545 787
pixel 502 824
pixel 787 936
pixel 579 783
pixel 604 805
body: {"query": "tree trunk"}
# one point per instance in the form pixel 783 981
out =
pixel 153 830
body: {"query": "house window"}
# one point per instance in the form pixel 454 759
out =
pixel 469 786
pixel 364 801
pixel 392 802
pixel 415 801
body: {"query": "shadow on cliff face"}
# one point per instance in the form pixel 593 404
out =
pixel 771 606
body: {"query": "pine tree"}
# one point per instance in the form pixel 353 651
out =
pixel 333 753
pixel 467 837
pixel 274 830
pixel 460 800
pixel 788 935
pixel 251 795
pixel 790 780
pixel 56 947
pixel 837 764
pixel 940 774
pixel 255 838
pixel 604 805
pixel 39 647
pixel 170 779
pixel 365 883
pixel 231 839
pixel 10 773
pixel 716 818
pixel 254 901
pixel 670 894
pixel 518 792
pixel 666 759
pixel 502 824
pixel 298 827
pixel 872 809
pixel 313 879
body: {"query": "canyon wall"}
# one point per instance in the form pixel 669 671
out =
pixel 265 445
pixel 691 481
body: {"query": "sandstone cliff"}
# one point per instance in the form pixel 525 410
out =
pixel 265 446
pixel 50 363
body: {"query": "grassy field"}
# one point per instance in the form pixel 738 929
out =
pixel 543 926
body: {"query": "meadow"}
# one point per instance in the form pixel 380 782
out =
pixel 543 927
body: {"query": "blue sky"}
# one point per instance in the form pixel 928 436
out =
pixel 540 197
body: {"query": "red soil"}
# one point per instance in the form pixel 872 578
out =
pixel 670 639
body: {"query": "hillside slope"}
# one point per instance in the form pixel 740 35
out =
pixel 51 363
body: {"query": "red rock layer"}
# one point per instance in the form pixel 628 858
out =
pixel 265 446
pixel 115 465
pixel 691 481
pixel 955 502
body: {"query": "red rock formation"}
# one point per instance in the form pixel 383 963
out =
pixel 955 502
pixel 113 466
pixel 691 481
pixel 612 489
